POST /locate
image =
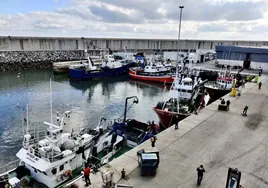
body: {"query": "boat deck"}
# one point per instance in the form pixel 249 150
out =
pixel 216 139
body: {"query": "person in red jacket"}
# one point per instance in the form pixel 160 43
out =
pixel 86 175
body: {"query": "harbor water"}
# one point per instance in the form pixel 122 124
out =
pixel 94 98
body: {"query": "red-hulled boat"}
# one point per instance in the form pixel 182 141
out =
pixel 184 100
pixel 154 72
pixel 139 74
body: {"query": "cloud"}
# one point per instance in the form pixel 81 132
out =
pixel 202 19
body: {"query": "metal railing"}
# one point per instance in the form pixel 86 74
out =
pixel 9 167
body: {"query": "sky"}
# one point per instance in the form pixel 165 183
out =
pixel 201 19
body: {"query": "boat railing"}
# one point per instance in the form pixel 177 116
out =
pixel 33 141
pixel 5 169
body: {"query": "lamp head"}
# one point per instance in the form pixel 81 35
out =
pixel 136 101
pixel 181 7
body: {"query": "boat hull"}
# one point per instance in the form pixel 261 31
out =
pixel 168 79
pixel 216 93
pixel 82 74
pixel 168 118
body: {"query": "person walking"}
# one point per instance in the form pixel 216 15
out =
pixel 86 175
pixel 176 125
pixel 260 84
pixel 228 104
pixel 245 110
pixel 153 140
pixel 200 171
pixel 177 122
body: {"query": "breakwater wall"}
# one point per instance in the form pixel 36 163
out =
pixel 16 60
pixel 18 52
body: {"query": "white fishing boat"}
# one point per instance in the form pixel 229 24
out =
pixel 59 156
pixel 183 98
pixel 53 159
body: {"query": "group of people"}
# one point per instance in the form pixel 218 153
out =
pixel 244 113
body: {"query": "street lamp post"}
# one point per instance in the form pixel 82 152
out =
pixel 179 34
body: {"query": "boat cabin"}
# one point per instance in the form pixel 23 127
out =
pixel 182 88
pixel 225 82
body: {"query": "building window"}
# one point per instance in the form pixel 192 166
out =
pixel 61 167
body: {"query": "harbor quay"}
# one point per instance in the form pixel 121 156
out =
pixel 218 140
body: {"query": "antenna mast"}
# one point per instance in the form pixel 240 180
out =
pixel 50 84
pixel 27 116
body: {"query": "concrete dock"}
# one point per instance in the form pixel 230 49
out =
pixel 216 139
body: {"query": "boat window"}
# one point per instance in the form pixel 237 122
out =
pixel 183 90
pixel 179 89
pixel 105 143
pixel 189 91
pixel 54 171
pixel 45 173
pixel 61 167
pixel 47 133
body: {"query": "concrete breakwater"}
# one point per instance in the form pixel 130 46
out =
pixel 16 60
pixel 18 52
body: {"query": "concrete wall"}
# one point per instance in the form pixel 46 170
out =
pixel 56 43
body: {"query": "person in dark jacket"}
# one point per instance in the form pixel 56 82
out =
pixel 153 140
pixel 260 84
pixel 200 171
pixel 228 104
pixel 245 110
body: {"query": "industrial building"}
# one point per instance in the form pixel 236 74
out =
pixel 245 56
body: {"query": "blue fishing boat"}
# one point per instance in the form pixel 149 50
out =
pixel 133 132
pixel 109 67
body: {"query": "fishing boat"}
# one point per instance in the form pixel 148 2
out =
pixel 109 67
pixel 56 157
pixel 184 99
pixel 154 72
pixel 134 132
pixel 222 86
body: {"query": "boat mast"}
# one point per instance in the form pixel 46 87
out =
pixel 27 120
pixel 229 57
pixel 50 84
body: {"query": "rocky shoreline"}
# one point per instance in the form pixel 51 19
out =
pixel 19 60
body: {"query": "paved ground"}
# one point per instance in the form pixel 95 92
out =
pixel 216 139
